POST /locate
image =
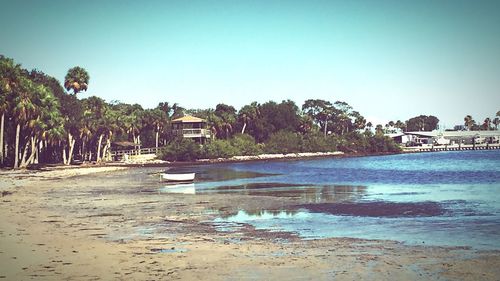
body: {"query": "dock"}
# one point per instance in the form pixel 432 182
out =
pixel 454 147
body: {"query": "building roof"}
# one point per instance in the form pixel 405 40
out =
pixel 456 134
pixel 394 135
pixel 188 119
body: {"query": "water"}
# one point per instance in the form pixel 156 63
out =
pixel 442 198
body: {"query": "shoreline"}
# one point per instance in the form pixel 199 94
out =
pixel 256 158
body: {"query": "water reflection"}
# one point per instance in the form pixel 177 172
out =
pixel 185 188
pixel 302 193
pixel 417 230
pixel 261 214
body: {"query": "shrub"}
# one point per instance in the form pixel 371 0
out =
pixel 180 150
pixel 245 145
pixel 283 142
pixel 380 143
pixel 316 142
pixel 218 149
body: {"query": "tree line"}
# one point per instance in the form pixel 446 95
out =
pixel 487 125
pixel 429 123
pixel 43 122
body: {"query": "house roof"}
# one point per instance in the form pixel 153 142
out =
pixel 188 119
pixel 125 144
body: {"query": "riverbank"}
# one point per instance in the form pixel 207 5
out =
pixel 96 223
pixel 239 159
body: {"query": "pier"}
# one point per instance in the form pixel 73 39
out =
pixel 455 147
pixel 118 154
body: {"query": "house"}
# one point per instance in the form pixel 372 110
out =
pixel 191 127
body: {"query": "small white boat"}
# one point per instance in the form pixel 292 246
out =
pixel 178 177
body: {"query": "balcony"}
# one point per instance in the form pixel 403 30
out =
pixel 193 133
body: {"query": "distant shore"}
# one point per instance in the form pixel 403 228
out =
pixel 250 158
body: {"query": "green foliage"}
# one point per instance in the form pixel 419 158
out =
pixel 382 144
pixel 422 123
pixel 77 80
pixel 44 111
pixel 284 142
pixel 238 145
pixel 317 142
pixel 245 145
pixel 180 149
pixel 218 149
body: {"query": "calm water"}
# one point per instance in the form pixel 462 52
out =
pixel 442 198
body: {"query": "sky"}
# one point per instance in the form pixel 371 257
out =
pixel 390 60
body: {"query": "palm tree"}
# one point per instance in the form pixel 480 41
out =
pixel 305 124
pixel 95 118
pixel 369 126
pixel 76 80
pixel 45 115
pixel 359 120
pixel 4 106
pixel 227 114
pixel 23 111
pixel 9 76
pixel 391 125
pixel 400 125
pixel 247 114
pixel 214 122
pixel 496 122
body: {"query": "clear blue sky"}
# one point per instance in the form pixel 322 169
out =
pixel 389 59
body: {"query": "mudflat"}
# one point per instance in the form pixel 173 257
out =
pixel 94 223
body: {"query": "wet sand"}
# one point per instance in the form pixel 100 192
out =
pixel 72 224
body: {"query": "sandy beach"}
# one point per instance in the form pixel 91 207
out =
pixel 72 224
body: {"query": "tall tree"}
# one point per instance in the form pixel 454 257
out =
pixel 422 123
pixel 76 80
pixel 70 109
pixel 22 112
pixel 379 129
pixel 46 118
pixel 359 120
pixel 94 120
pixel 247 114
pixel 320 111
pixel 343 114
pixel 9 79
pixel 227 114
